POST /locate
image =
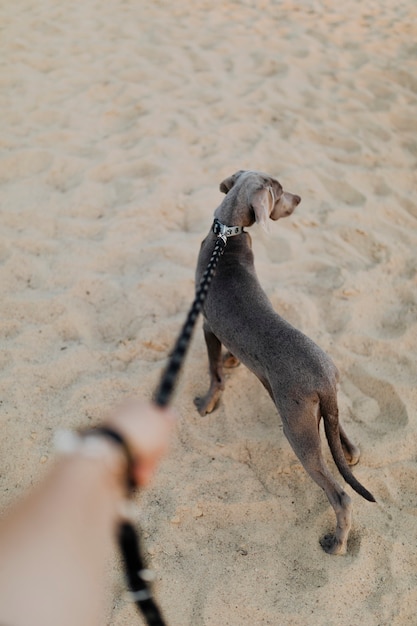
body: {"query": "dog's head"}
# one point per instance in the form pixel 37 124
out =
pixel 261 195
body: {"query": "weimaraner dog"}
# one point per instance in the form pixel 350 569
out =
pixel 300 378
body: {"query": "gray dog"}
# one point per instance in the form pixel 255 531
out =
pixel 300 378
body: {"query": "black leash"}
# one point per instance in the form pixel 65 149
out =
pixel 170 375
pixel 136 574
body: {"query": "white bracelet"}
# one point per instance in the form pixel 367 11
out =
pixel 89 445
pixel 92 445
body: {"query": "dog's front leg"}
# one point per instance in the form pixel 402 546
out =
pixel 207 403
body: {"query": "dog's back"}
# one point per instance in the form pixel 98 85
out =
pixel 271 348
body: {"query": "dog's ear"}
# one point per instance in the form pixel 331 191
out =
pixel 228 183
pixel 263 202
pixel 272 202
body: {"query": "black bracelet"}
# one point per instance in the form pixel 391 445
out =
pixel 117 438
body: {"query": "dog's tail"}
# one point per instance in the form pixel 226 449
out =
pixel 331 428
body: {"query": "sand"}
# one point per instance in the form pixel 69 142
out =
pixel 119 120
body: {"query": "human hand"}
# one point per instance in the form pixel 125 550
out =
pixel 146 429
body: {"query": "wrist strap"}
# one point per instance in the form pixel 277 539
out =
pixel 129 543
pixel 117 438
pixel 127 536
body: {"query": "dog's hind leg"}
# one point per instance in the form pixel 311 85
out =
pixel 207 403
pixel 301 427
pixel 230 360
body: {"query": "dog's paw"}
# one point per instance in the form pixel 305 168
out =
pixel 230 360
pixel 332 545
pixel 204 405
pixel 352 455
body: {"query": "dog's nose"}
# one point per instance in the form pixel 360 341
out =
pixel 297 200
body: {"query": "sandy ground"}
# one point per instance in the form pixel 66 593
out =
pixel 119 119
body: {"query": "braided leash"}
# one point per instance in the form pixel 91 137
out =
pixel 128 539
pixel 169 377
pixel 137 575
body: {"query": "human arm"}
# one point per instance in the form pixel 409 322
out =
pixel 54 544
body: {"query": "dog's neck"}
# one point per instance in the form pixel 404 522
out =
pixel 221 230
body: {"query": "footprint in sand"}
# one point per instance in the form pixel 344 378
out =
pixel 342 191
pixel 24 164
pixel 398 320
pixel 365 244
pixel 345 144
pixel 376 404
